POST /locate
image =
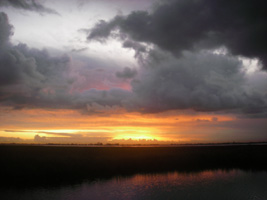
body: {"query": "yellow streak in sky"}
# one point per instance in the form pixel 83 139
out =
pixel 27 123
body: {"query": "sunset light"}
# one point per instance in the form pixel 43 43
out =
pixel 93 72
pixel 133 99
pixel 135 137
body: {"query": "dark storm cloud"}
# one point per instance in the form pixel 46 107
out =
pixel 5 29
pixel 178 25
pixel 202 82
pixel 33 78
pixel 188 77
pixel 136 46
pixel 30 76
pixel 103 29
pixel 5 33
pixel 196 80
pixel 105 100
pixel 30 5
pixel 127 72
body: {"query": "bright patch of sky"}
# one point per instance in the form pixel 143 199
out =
pixel 65 32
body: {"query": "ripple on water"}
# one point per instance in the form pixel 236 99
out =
pixel 215 184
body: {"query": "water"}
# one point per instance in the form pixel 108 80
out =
pixel 216 184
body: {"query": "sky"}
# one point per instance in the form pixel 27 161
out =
pixel 122 71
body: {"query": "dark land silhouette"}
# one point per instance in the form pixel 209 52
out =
pixel 31 166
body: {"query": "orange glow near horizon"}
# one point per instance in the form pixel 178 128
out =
pixel 123 125
pixel 136 137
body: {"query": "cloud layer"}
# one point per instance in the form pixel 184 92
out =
pixel 30 77
pixel 179 68
pixel 202 82
pixel 182 70
pixel 30 5
pixel 178 25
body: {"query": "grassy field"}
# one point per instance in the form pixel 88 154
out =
pixel 23 165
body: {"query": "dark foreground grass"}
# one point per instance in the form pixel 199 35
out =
pixel 24 166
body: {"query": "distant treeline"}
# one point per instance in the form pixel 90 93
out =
pixel 139 144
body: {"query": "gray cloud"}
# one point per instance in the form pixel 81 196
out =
pixel 5 29
pixel 202 82
pixel 30 5
pixel 103 29
pixel 137 47
pixel 31 77
pixel 127 72
pixel 112 97
pixel 79 50
pixel 178 25
pixel 188 77
pixel 197 80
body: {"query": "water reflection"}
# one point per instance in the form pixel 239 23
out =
pixel 219 184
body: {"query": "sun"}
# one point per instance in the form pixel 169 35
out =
pixel 135 133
